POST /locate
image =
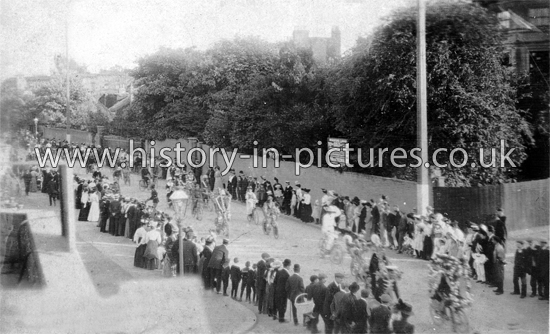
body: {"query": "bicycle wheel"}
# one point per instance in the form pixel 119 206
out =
pixel 460 321
pixel 336 254
pixel 142 185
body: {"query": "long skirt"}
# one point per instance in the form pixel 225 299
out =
pixel 34 186
pixel 270 293
pixel 428 246
pixel 139 260
pixel 168 269
pixel 151 255
pixel 127 229
pixel 84 212
pixel 306 213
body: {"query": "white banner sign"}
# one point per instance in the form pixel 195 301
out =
pixel 337 157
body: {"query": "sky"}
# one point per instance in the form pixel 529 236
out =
pixel 106 33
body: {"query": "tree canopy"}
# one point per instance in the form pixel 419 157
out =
pixel 471 95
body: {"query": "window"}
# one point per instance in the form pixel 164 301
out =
pixel 504 19
pixel 539 16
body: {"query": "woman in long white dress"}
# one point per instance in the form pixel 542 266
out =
pixel 251 201
pixel 93 216
pixel 419 233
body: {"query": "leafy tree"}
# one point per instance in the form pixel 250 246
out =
pixel 13 109
pixel 471 96
pixel 169 99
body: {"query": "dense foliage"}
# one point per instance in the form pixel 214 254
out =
pixel 471 95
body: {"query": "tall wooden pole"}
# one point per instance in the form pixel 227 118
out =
pixel 422 187
pixel 68 107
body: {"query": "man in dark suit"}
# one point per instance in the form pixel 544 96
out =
pixel 500 226
pixel 190 258
pixel 336 308
pixel 287 198
pixel 349 312
pixel 318 294
pixel 362 315
pixel 380 317
pixel 211 178
pixel 521 269
pixel 260 281
pixel 375 214
pixel 215 265
pixel 295 287
pixel 114 219
pixel 281 294
pixel 232 184
pixel 241 186
pixel 332 289
pixel 206 254
pixel 543 270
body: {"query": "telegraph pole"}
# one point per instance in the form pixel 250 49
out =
pixel 68 107
pixel 422 186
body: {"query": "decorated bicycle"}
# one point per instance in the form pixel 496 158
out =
pixel 360 251
pixel 447 275
pixel 272 212
pixel 222 204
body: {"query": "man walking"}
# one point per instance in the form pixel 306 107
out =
pixel 215 266
pixel 261 282
pixel 295 287
pixel 332 289
pixel 206 254
pixel 280 284
pixel 318 293
pixel 521 268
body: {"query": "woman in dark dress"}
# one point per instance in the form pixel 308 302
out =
pixel 83 215
pixel 78 196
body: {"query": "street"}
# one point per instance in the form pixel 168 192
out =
pixel 109 261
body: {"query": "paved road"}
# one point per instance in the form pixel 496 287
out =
pixel 298 242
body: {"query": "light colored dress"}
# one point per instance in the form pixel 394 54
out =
pixel 93 216
pixel 217 180
pixel 419 233
pixel 251 201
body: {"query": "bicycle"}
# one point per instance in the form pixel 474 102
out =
pixel 207 202
pixel 456 315
pixel 222 224
pixel 269 223
pixel 336 252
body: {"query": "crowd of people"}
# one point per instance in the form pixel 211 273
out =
pixel 277 284
pixel 272 283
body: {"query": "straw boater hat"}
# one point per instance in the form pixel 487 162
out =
pixel 277 264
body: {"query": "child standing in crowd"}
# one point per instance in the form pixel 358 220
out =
pixel 244 278
pixel 479 266
pixel 225 277
pixel 235 278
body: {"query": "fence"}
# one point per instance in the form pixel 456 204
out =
pixel 402 193
pixel 77 136
pixel 526 204
pixel 119 142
